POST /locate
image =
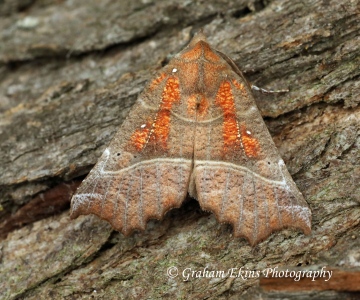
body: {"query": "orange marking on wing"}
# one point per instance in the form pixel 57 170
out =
pixel 225 99
pixel 203 106
pixel 210 54
pixel 140 137
pixel 158 131
pixel 251 145
pixel 170 95
pixel 189 81
pixel 191 105
pixel 201 48
pixel 240 87
pixel 161 128
pixel 230 132
pixel 157 81
pixel 194 53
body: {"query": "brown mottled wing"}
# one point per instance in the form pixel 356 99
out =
pixel 238 173
pixel 145 170
pixel 195 128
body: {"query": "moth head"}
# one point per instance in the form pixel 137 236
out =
pixel 199 36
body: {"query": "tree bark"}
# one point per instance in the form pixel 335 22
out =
pixel 70 72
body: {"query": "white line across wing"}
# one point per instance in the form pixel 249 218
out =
pixel 218 165
pixel 198 164
pixel 145 105
pixel 153 161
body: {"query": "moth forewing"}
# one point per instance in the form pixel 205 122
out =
pixel 195 128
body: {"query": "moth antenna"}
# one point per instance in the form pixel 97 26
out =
pixel 265 91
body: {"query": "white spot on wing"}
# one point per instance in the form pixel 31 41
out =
pixel 174 70
pixel 143 126
pixel 248 132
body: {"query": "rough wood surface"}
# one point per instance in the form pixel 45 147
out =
pixel 70 71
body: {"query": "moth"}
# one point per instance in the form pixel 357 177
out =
pixel 194 129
